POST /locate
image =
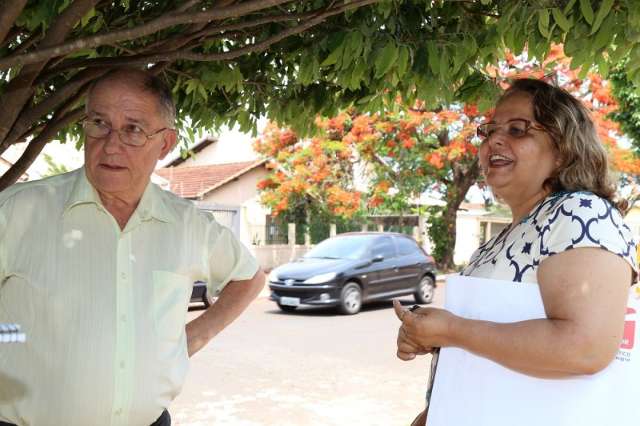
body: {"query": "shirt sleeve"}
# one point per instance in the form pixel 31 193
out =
pixel 229 259
pixel 586 220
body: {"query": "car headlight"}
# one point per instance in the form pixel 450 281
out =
pixel 273 277
pixel 322 278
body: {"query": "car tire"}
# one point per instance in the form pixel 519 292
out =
pixel 286 308
pixel 425 291
pixel 350 299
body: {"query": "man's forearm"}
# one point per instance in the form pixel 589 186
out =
pixel 233 300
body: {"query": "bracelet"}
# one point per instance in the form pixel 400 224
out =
pixel 414 307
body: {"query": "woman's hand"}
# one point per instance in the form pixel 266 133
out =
pixel 421 330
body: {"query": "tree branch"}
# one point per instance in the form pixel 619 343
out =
pixel 9 12
pixel 36 146
pixel 27 117
pixel 187 5
pixel 20 88
pixel 186 54
pixel 60 49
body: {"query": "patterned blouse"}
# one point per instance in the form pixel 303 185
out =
pixel 562 221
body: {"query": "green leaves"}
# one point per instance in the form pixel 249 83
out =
pixel 543 22
pixel 587 11
pixel 385 59
pixel 605 8
pixel 561 20
pixel 402 63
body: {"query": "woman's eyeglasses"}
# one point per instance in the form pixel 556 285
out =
pixel 516 128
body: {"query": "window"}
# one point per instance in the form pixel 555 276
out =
pixel 406 246
pixel 383 246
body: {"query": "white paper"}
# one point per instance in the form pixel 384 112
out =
pixel 471 390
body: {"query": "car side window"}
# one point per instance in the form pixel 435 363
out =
pixel 406 246
pixel 383 246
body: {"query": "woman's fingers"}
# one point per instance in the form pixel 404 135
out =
pixel 406 356
pixel 400 311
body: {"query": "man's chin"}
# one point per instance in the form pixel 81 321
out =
pixel 112 184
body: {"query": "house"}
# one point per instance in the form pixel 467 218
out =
pixel 228 191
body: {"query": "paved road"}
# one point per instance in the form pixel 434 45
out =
pixel 310 368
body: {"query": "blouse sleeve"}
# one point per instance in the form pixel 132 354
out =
pixel 585 220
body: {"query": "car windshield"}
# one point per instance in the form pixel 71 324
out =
pixel 348 247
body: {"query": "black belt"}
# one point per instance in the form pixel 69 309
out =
pixel 163 420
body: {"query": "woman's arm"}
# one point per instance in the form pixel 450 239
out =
pixel 584 292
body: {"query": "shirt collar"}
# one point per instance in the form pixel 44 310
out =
pixel 152 204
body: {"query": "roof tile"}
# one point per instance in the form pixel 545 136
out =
pixel 195 181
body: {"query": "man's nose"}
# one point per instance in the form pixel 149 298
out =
pixel 112 142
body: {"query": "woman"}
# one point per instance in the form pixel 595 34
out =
pixel 541 155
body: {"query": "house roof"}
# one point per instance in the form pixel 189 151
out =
pixel 196 181
pixel 205 142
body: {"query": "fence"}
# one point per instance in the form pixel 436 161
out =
pixel 294 241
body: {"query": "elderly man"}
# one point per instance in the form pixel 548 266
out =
pixel 97 266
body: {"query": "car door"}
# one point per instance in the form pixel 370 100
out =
pixel 410 261
pixel 385 270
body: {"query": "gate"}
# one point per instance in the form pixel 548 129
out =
pixel 228 216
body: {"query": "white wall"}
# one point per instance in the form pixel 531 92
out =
pixel 232 146
pixel 243 193
pixel 467 237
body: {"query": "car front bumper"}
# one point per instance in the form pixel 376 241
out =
pixel 310 294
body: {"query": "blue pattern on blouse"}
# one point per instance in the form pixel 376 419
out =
pixel 561 222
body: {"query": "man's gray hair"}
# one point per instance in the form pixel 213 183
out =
pixel 148 82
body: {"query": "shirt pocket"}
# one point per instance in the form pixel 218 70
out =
pixel 171 294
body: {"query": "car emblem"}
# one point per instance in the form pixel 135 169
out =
pixel 288 282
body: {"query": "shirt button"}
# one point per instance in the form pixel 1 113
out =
pixel 123 318
pixel 123 275
pixel 121 364
pixel 118 412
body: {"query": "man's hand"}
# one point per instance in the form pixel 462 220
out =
pixel 421 330
pixel 231 302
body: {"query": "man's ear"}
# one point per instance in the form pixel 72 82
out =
pixel 169 139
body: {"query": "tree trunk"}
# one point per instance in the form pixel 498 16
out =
pixel 463 179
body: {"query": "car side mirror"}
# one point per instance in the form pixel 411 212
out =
pixel 378 258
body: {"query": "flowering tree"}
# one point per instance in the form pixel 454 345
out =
pixel 409 151
pixel 311 176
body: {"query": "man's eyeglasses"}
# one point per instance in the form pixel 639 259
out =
pixel 130 134
pixel 516 128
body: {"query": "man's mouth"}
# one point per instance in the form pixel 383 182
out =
pixel 112 167
pixel 497 160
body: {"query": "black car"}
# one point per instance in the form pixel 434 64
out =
pixel 353 268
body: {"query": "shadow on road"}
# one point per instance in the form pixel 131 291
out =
pixel 322 311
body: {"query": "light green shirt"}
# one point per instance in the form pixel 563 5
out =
pixel 104 310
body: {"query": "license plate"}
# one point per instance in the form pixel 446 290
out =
pixel 290 301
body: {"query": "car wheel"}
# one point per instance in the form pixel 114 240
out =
pixel 425 291
pixel 286 308
pixel 350 299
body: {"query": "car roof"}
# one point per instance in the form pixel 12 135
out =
pixel 388 234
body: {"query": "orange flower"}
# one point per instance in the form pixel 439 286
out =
pixel 471 110
pixel 435 159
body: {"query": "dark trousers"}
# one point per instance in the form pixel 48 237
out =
pixel 163 420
